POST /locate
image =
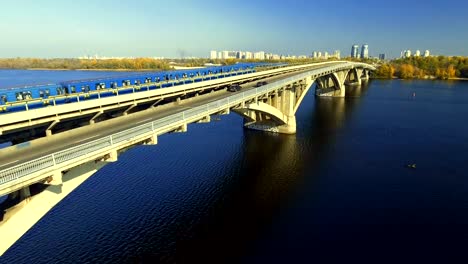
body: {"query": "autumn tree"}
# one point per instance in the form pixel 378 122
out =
pixel 406 71
pixel 385 71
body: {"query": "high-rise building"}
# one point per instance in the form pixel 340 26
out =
pixel 248 55
pixel 365 51
pixel 382 56
pixel 427 53
pixel 417 53
pixel 213 55
pixel 319 54
pixel 355 51
pixel 407 53
pixel 325 55
pixel 315 55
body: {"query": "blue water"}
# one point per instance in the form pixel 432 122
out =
pixel 339 191
pixel 18 78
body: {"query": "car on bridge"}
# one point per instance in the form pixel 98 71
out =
pixel 234 88
pixel 261 83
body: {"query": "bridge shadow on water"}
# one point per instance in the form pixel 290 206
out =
pixel 270 172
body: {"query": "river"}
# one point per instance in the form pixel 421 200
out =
pixel 339 190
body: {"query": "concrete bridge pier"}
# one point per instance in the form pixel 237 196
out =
pixel 354 77
pixel 332 85
pixel 365 75
pixel 20 195
pixel 276 111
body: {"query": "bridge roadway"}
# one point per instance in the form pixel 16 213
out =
pixel 22 153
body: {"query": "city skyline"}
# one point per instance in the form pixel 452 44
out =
pixel 52 28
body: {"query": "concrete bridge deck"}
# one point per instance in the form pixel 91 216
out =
pixel 22 153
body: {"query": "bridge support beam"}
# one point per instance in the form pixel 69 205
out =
pixel 332 85
pixel 49 129
pixel 157 102
pixel 92 121
pixel 266 117
pixel 205 119
pixel 128 109
pixel 181 129
pixel 353 78
pixel 275 111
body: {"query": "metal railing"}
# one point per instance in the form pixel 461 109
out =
pixel 13 175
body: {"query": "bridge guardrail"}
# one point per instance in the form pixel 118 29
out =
pixel 12 175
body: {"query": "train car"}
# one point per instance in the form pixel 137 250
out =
pixel 27 97
pixel 17 99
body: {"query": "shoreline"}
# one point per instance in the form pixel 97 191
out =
pixel 423 79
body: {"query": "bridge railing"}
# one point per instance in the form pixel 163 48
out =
pixel 23 172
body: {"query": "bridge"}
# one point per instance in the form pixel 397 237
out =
pixel 64 160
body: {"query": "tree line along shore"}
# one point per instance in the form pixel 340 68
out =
pixel 136 64
pixel 438 67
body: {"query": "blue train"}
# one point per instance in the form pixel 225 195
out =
pixel 30 97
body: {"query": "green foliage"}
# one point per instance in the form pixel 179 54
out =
pixel 385 71
pixel 440 67
pixel 74 64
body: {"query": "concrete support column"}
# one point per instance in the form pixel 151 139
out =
pixel 56 178
pixel 113 156
pixel 153 140
pixel 289 101
pixel 274 99
pixel 24 193
pixel 365 75
pixel 340 78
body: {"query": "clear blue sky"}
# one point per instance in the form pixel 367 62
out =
pixel 71 28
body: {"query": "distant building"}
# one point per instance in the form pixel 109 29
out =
pixel 427 53
pixel 337 54
pixel 355 51
pixel 319 54
pixel 365 51
pixel 213 55
pixel 325 55
pixel 406 54
pixel 382 56
pixel 248 55
pixel 259 55
pixel 315 55
pixel 417 53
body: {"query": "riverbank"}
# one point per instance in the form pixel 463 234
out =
pixel 427 79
